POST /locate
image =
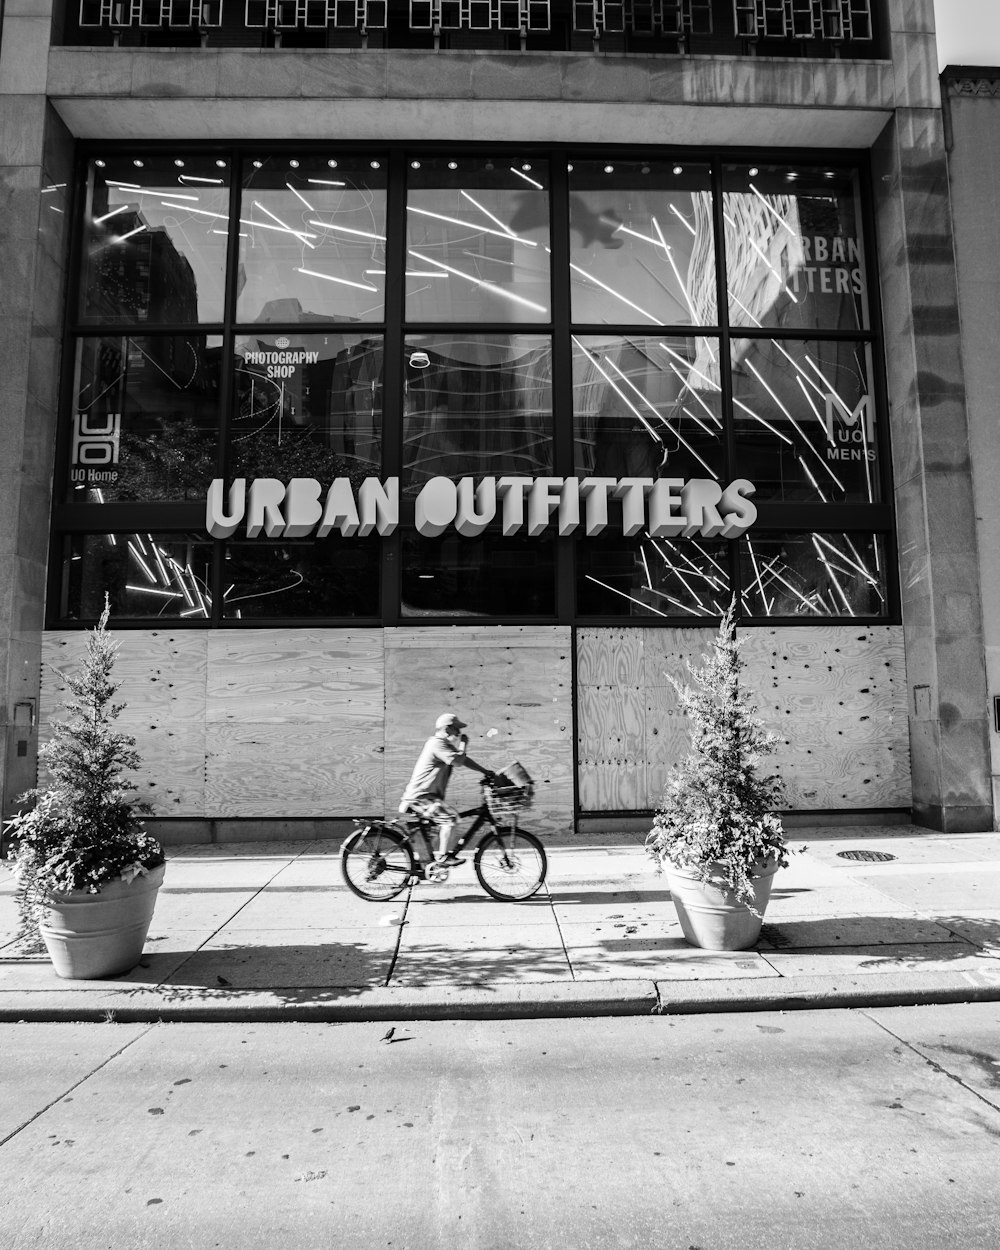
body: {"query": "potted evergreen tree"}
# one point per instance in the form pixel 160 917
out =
pixel 716 835
pixel 87 872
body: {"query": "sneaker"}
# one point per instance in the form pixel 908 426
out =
pixel 448 861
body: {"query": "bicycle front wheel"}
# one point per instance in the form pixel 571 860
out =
pixel 376 862
pixel 510 866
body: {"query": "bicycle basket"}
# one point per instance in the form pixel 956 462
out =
pixel 505 802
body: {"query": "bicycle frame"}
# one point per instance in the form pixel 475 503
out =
pixel 425 829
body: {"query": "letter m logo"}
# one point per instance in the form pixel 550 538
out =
pixel 863 416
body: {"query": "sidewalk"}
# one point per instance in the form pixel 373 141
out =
pixel 268 931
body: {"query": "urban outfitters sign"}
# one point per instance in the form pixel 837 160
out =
pixel 663 507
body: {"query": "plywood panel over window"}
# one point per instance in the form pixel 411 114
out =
pixel 513 687
pixel 162 677
pixel 294 723
pixel 834 695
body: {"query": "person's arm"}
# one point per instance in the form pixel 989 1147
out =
pixel 461 757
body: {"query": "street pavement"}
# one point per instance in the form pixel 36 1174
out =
pixel 269 932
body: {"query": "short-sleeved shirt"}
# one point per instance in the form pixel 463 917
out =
pixel 433 769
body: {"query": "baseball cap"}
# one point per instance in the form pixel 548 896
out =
pixel 448 720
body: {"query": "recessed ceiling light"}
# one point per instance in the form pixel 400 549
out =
pixel 376 164
pixel 99 164
pixel 609 169
pixel 526 168
pixel 258 164
pixel 753 171
pixel 678 169
pixel 453 164
pixel 332 164
pixel 138 164
pixel 293 164
pixel 221 164
pixel 179 163
pixel 414 164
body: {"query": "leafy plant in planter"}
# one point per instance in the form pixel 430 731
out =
pixel 84 837
pixel 716 833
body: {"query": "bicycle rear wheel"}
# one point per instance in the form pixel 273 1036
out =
pixel 510 866
pixel 376 862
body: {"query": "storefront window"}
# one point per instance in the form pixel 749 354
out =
pixel 154 247
pixel 647 407
pixel 641 243
pixel 814 575
pixel 477 240
pixel 647 576
pixel 476 404
pixel 691 333
pixel 486 576
pixel 793 248
pixel 307 405
pixel 146 576
pixel 332 577
pixel 145 417
pixel 804 419
pixel 312 239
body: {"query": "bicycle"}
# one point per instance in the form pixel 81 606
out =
pixel 379 859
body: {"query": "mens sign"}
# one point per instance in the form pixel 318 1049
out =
pixel 663 507
pixel 850 432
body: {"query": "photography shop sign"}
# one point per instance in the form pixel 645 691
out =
pixel 663 507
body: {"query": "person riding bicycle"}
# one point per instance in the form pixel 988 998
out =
pixel 426 789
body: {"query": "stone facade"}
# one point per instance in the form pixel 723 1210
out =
pixel 50 96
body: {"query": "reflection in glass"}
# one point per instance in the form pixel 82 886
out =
pixel 793 248
pixel 147 576
pixel 804 420
pixel 312 239
pixel 307 405
pixel 647 407
pixel 154 247
pixel 487 576
pixel 813 575
pixel 145 419
pixel 328 577
pixel 476 404
pixel 641 243
pixel 477 238
pixel 646 576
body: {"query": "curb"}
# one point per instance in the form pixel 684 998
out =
pixel 545 1000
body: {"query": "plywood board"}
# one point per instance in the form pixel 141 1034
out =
pixel 834 695
pixel 295 676
pixel 293 770
pixel 162 677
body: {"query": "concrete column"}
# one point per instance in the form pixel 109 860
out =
pixel 935 509
pixel 35 172
pixel 973 105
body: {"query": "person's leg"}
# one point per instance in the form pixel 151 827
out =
pixel 446 818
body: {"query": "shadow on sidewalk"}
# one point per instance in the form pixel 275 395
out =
pixel 926 939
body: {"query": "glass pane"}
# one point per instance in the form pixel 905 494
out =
pixel 804 420
pixel 476 404
pixel 154 242
pixel 329 577
pixel 641 243
pixel 146 576
pixel 477 238
pixel 651 577
pixel 793 248
pixel 312 239
pixel 813 575
pixel 145 420
pixel 647 407
pixel 487 576
pixel 307 405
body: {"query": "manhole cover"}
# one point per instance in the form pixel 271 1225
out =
pixel 876 857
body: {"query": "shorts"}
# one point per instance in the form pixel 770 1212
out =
pixel 434 809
